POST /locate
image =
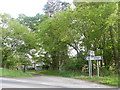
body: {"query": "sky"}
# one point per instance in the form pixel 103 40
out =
pixel 27 7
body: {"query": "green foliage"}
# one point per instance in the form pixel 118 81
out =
pixel 17 40
pixel 94 25
pixel 31 22
pixel 13 73
pixel 54 36
pixel 60 73
pixel 105 72
pixel 74 65
pixel 108 80
pixel 71 65
pixel 90 26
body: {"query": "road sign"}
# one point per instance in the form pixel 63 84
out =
pixel 98 58
pixel 91 53
pixel 94 58
pixel 89 58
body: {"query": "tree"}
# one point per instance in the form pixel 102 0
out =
pixel 93 22
pixel 16 39
pixel 54 6
pixel 31 22
pixel 54 34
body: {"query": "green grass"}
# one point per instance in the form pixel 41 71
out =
pixel 107 80
pixel 13 73
pixel 60 73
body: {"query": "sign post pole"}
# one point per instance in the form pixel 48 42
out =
pixel 90 68
pixel 98 68
pixel 91 53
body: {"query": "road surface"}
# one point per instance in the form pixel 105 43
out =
pixel 48 82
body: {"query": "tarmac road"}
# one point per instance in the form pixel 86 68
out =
pixel 48 82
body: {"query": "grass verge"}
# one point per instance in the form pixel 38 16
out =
pixel 13 73
pixel 61 73
pixel 58 73
pixel 107 80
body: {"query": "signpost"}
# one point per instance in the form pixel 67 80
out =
pixel 94 58
pixel 91 56
pixel 98 68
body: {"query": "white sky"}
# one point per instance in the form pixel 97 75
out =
pixel 27 7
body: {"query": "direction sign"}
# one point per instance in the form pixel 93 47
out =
pixel 89 58
pixel 98 58
pixel 91 53
pixel 94 58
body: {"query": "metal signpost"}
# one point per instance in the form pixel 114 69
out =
pixel 98 58
pixel 91 56
pixel 98 68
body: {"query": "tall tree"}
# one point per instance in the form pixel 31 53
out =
pixel 33 21
pixel 94 21
pixel 17 40
pixel 54 6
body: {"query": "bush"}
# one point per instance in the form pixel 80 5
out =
pixel 105 72
pixel 31 68
pixel 70 65
pixel 74 65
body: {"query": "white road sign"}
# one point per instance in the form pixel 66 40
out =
pixel 91 53
pixel 98 58
pixel 94 58
pixel 89 58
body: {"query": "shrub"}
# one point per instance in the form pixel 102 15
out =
pixel 105 72
pixel 74 65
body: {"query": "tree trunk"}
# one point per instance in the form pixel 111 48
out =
pixel 55 61
pixel 5 66
pixel 114 48
pixel 118 46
